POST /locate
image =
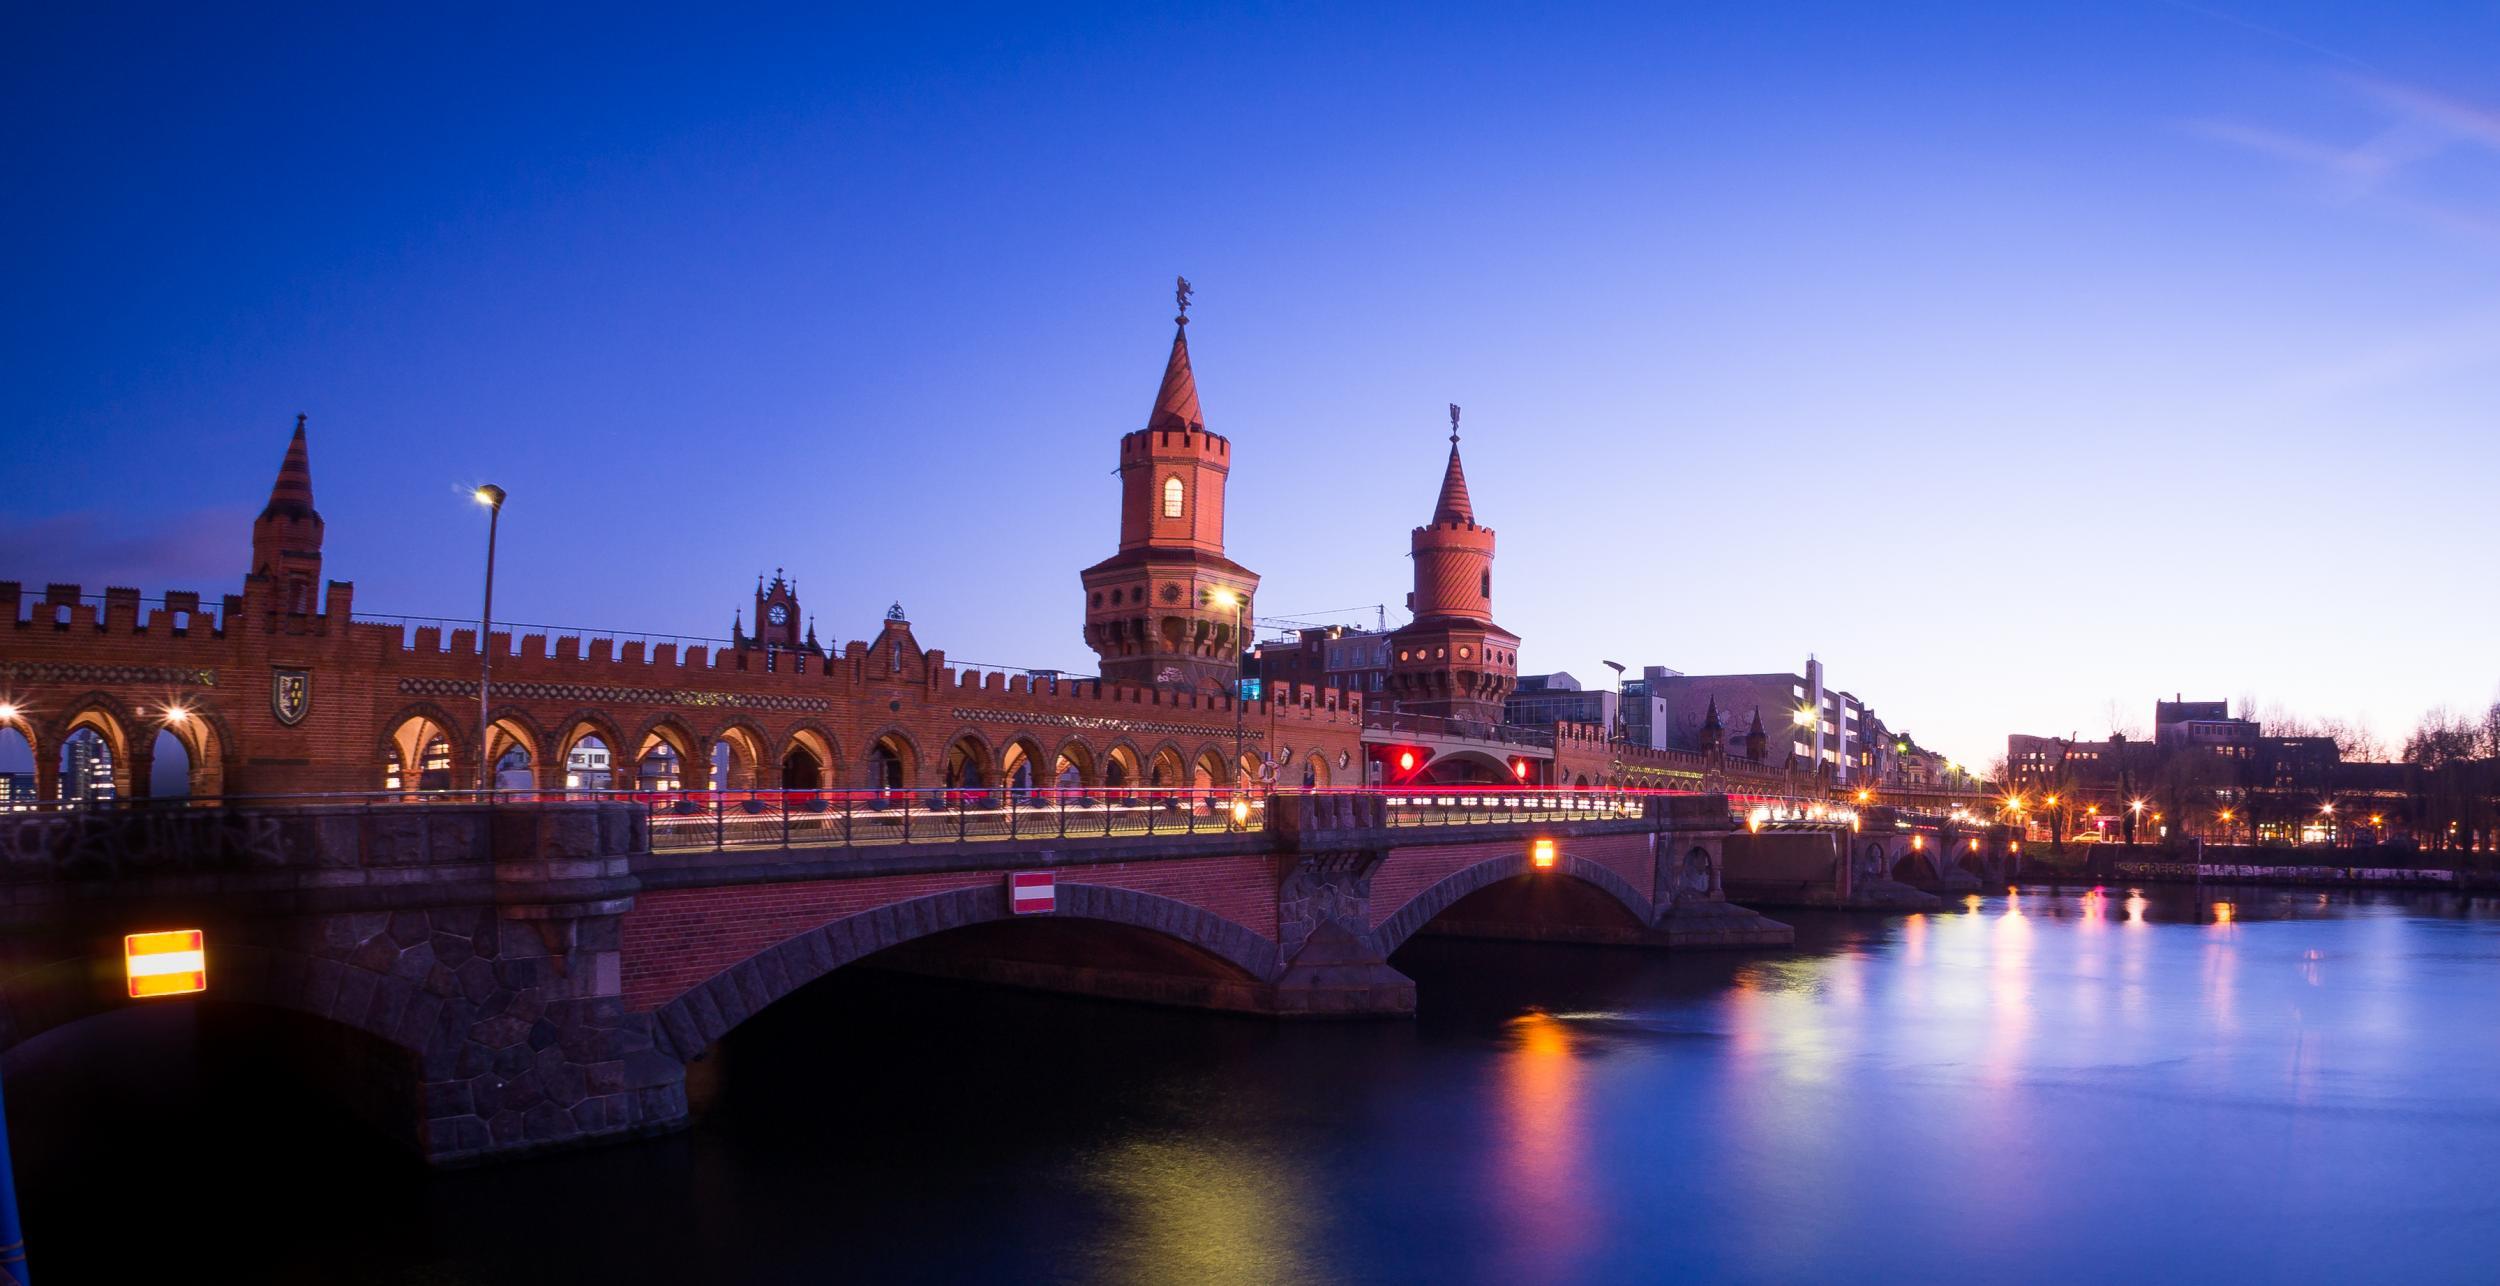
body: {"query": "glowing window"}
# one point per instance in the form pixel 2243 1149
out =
pixel 1173 493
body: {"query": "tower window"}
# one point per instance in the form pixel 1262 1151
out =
pixel 1173 492
pixel 1485 586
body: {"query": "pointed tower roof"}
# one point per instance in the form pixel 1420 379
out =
pixel 1176 403
pixel 1453 505
pixel 1756 729
pixel 1710 720
pixel 292 495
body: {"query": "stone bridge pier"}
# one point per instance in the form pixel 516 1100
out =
pixel 461 963
pixel 484 981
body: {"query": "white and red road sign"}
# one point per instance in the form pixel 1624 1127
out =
pixel 171 963
pixel 1032 892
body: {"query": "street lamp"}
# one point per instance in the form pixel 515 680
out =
pixel 490 496
pixel 1240 606
pixel 1617 667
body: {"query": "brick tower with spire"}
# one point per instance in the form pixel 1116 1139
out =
pixel 1453 661
pixel 286 539
pixel 1168 610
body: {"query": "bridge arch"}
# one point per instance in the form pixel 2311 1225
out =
pixel 62 992
pixel 1020 764
pixel 808 758
pixel 201 736
pixel 1122 767
pixel 1074 756
pixel 663 752
pixel 1446 892
pixel 738 755
pixel 1166 770
pixel 512 729
pixel 968 762
pixel 694 1020
pixel 422 749
pixel 891 761
pixel 1468 767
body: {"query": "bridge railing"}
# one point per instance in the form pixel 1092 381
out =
pixel 763 820
pixel 1489 805
pixel 776 819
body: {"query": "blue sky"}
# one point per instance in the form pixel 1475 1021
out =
pixel 2013 362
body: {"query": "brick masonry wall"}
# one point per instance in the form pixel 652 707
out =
pixel 675 939
pixel 1408 871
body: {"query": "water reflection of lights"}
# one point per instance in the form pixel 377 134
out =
pixel 1542 1164
pixel 1208 1211
pixel 1971 903
pixel 2223 911
pixel 2135 906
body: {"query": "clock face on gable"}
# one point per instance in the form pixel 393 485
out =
pixel 778 614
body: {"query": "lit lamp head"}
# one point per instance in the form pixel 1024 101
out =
pixel 490 496
pixel 1541 854
pixel 1805 716
pixel 8 709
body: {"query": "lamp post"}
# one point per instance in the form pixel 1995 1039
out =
pixel 1240 608
pixel 1617 667
pixel 490 496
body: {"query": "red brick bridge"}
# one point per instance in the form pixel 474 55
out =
pixel 497 978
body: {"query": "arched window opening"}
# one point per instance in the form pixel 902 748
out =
pixel 885 765
pixel 512 769
pixel 17 770
pixel 434 765
pixel 589 765
pixel 87 767
pixel 966 761
pixel 800 771
pixel 659 768
pixel 1174 493
pixel 169 767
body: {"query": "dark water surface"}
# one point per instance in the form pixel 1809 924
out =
pixel 2046 1087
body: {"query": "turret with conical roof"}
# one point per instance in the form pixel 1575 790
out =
pixel 1757 742
pixel 1169 609
pixel 1453 660
pixel 286 538
pixel 1713 734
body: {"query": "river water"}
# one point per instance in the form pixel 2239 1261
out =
pixel 2250 1085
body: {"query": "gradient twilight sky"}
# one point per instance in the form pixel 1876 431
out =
pixel 2011 360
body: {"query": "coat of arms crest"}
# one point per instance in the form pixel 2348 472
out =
pixel 290 695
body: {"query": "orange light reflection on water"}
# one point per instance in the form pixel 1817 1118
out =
pixel 1542 1161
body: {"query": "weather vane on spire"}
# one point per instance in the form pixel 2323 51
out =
pixel 1181 291
pixel 1453 424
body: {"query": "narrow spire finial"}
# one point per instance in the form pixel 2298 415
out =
pixel 1181 291
pixel 1453 424
pixel 299 421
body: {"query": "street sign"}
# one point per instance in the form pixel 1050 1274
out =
pixel 1032 892
pixel 172 963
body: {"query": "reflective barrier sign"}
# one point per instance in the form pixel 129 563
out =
pixel 166 964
